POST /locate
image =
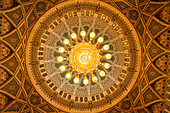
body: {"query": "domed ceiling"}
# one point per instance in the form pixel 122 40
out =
pixel 84 56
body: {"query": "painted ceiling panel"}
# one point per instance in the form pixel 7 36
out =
pixel 149 94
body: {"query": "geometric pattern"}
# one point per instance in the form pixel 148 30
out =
pixel 54 46
pixel 145 97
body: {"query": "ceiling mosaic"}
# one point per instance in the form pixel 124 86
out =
pixel 83 56
pixel 48 49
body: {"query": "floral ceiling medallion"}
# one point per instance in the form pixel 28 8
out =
pixel 83 56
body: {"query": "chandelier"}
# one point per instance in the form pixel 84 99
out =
pixel 84 57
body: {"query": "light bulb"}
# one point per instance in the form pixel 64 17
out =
pixel 60 59
pixel 92 35
pixel 100 39
pixel 74 36
pixel 102 73
pixel 63 68
pixel 68 75
pixel 85 81
pixel 76 80
pixel 106 47
pixel 108 56
pixel 66 41
pixel 107 65
pixel 83 34
pixel 62 50
pixel 94 78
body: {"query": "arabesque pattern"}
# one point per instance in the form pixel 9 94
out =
pixel 150 94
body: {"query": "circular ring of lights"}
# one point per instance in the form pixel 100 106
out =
pixel 83 56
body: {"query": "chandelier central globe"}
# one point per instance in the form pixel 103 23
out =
pixel 84 57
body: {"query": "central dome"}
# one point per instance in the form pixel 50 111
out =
pixel 85 53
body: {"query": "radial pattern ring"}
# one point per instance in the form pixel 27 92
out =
pixel 83 56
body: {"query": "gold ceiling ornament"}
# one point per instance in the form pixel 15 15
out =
pixel 69 68
pixel 84 57
pixel 148 41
